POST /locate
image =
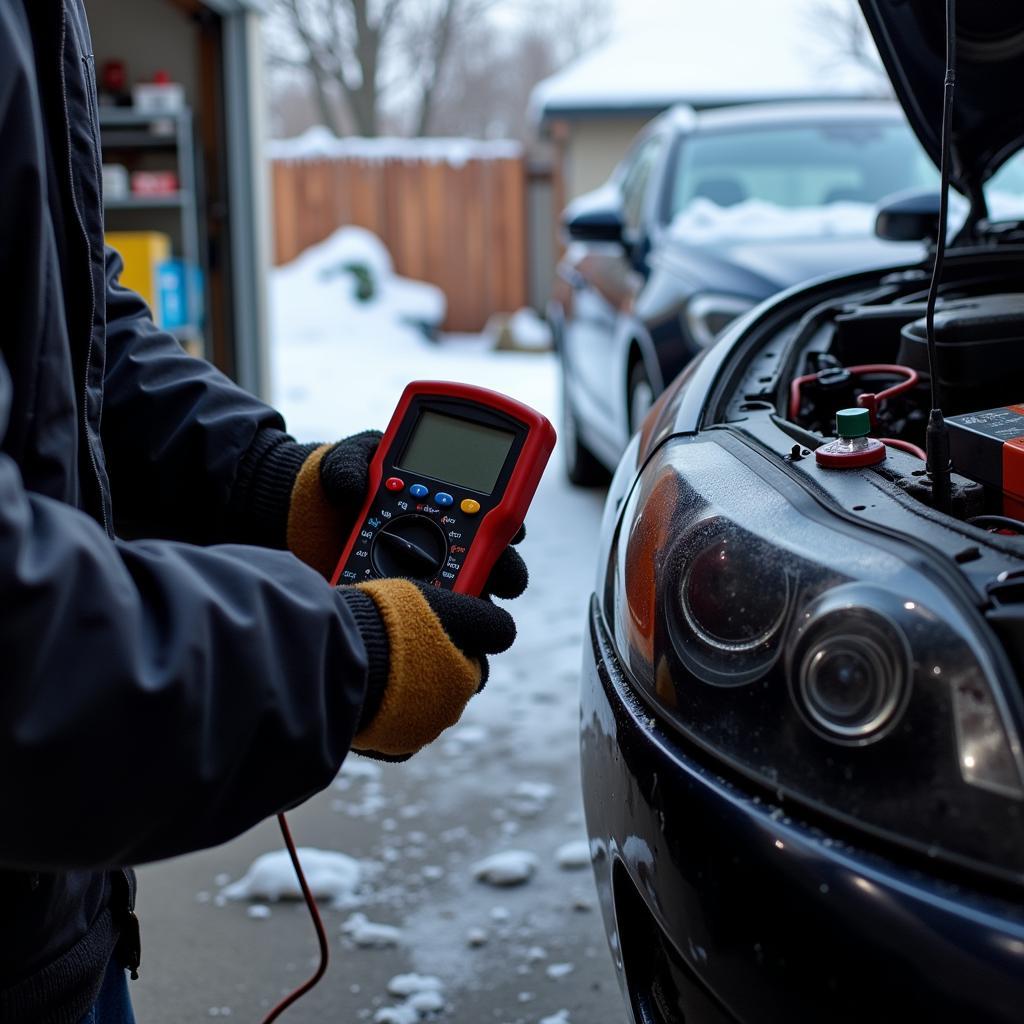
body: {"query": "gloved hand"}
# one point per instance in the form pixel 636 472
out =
pixel 326 499
pixel 304 497
pixel 427 651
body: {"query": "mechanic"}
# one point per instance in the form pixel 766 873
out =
pixel 172 673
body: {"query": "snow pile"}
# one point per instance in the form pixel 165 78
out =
pixel 319 143
pixel 511 867
pixel 258 911
pixel 423 994
pixel 523 331
pixel 368 935
pixel 702 221
pixel 346 287
pixel 556 971
pixel 571 856
pixel 331 876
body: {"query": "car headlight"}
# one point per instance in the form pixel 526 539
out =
pixel 828 663
pixel 707 315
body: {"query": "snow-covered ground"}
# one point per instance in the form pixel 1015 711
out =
pixel 463 892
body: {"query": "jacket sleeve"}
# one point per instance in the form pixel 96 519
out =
pixel 178 435
pixel 157 697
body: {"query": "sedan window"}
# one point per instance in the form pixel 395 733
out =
pixel 635 180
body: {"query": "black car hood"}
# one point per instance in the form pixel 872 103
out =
pixel 988 118
pixel 761 267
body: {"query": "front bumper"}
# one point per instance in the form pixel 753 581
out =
pixel 719 907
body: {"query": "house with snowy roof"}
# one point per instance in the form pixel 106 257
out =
pixel 737 53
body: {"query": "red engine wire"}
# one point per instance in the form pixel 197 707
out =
pixel 869 401
pixel 904 446
pixel 318 924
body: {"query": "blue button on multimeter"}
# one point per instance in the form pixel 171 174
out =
pixel 443 499
pixel 418 490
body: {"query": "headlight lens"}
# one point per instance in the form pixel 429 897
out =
pixel 814 657
pixel 707 315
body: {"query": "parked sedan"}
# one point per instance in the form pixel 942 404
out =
pixel 802 726
pixel 707 215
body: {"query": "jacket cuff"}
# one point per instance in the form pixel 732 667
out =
pixel 375 640
pixel 266 477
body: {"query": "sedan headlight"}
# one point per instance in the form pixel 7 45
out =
pixel 707 315
pixel 832 665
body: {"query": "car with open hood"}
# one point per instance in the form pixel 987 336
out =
pixel 708 214
pixel 802 727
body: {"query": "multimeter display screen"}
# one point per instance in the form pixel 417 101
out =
pixel 457 451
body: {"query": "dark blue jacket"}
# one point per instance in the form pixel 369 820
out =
pixel 157 694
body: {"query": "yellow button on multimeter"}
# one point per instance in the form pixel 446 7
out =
pixel 469 506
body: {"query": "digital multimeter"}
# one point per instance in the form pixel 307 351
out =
pixel 449 487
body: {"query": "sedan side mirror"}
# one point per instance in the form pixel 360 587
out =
pixel 595 217
pixel 910 217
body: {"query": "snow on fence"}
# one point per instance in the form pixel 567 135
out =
pixel 451 212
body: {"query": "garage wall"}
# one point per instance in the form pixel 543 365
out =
pixel 594 148
pixel 149 36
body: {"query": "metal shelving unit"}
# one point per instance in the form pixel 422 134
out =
pixel 130 137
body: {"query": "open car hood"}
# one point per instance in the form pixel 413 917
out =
pixel 988 115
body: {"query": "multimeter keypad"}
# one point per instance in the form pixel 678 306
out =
pixel 415 533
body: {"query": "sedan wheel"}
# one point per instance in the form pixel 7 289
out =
pixel 581 465
pixel 641 396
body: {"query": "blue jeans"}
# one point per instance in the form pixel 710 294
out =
pixel 113 1005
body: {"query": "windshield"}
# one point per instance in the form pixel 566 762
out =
pixel 834 174
pixel 1004 192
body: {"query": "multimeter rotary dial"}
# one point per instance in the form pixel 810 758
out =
pixel 412 546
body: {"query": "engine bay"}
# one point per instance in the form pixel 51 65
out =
pixel 870 352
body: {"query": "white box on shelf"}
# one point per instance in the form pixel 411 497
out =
pixel 158 97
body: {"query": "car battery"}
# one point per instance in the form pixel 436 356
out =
pixel 989 447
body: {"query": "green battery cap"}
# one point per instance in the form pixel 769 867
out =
pixel 853 422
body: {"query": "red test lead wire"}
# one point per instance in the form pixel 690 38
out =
pixel 318 924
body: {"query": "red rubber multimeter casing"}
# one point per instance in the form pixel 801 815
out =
pixel 415 523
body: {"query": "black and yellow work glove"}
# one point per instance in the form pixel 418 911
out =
pixel 328 496
pixel 427 651
pixel 304 497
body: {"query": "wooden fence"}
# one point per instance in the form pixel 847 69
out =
pixel 460 226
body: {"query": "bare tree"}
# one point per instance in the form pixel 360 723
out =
pixel 341 45
pixel 844 40
pixel 424 66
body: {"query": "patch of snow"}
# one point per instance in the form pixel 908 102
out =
pixel 258 911
pixel 404 1014
pixel 535 954
pixel 702 222
pixel 331 876
pixel 557 971
pixel 359 768
pixel 369 935
pixel 423 995
pixel 529 331
pixel 319 143
pixel 574 855
pixel 412 984
pixel 562 1017
pixel 500 915
pixel 510 867
pixel 476 937
pixel 530 798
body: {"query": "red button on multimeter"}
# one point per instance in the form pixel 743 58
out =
pixel 480 456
